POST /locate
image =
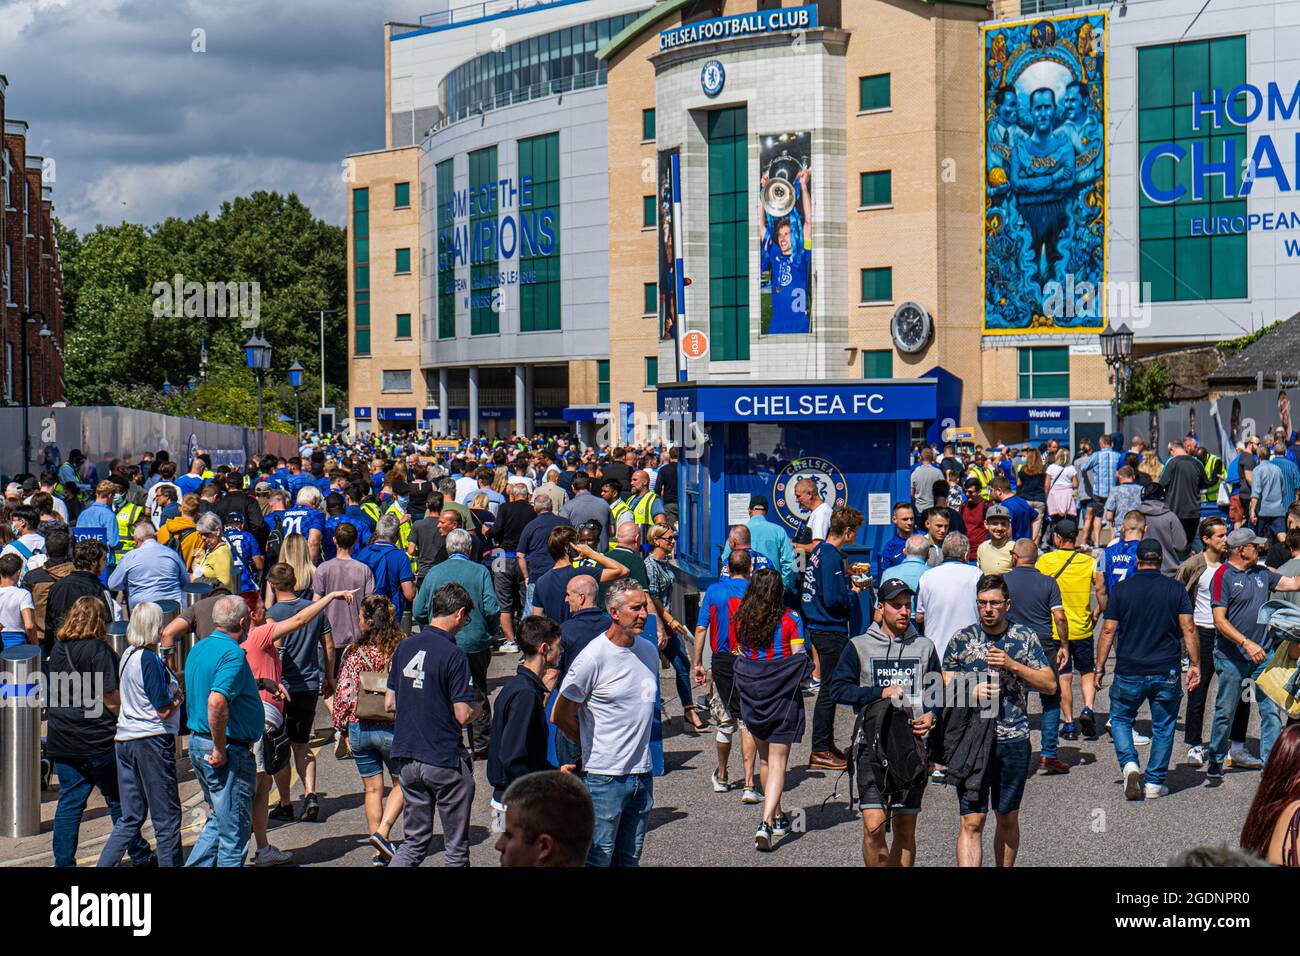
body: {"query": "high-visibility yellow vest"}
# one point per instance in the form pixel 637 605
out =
pixel 984 476
pixel 643 510
pixel 403 529
pixel 372 510
pixel 127 517
pixel 1213 463
pixel 618 509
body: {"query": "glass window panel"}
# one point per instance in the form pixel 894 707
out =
pixel 878 363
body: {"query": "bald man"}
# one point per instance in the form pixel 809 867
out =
pixel 586 622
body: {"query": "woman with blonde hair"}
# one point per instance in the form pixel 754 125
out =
pixel 500 476
pixel 1150 466
pixel 81 726
pixel 294 552
pixel 371 737
pixel 147 723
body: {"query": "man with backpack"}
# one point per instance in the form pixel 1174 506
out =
pixel 889 675
pixel 179 534
pixel 1015 663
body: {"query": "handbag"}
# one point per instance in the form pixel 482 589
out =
pixel 372 688
pixel 275 747
pixel 1280 680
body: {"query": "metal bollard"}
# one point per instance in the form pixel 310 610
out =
pixel 170 609
pixel 196 591
pixel 407 624
pixel 117 637
pixel 20 741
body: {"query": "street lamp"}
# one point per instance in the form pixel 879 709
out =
pixel 295 382
pixel 167 385
pixel 1117 347
pixel 27 318
pixel 257 353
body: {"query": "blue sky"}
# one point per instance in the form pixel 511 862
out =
pixel 141 127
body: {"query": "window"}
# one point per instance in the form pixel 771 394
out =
pixel 648 124
pixel 729 200
pixel 27 287
pixel 361 271
pixel 483 318
pixel 650 302
pixel 1045 372
pixel 602 381
pixel 403 261
pixel 878 284
pixel 401 195
pixel 539 248
pixel 647 212
pixel 445 177
pixel 403 325
pixel 9 261
pixel 877 363
pixel 1178 265
pixel 396 380
pixel 875 189
pixel 652 372
pixel 873 92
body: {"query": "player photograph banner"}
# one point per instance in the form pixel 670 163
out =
pixel 668 257
pixel 1044 97
pixel 785 233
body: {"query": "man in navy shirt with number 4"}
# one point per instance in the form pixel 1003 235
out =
pixel 430 690
pixel 1152 616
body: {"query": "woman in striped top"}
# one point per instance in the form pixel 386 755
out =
pixel 771 664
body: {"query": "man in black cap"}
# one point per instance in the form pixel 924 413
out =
pixel 1152 617
pixel 891 660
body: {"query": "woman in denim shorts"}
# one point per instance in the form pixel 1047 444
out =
pixel 371 741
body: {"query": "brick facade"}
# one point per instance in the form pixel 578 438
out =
pixel 35 278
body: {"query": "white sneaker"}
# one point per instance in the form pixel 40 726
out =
pixel 1139 740
pixel 1132 781
pixel 1195 756
pixel 271 855
pixel 1153 791
pixel 719 786
pixel 751 795
pixel 1242 759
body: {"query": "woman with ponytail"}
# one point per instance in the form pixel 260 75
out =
pixel 371 737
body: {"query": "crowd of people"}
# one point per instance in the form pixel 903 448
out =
pixel 378 576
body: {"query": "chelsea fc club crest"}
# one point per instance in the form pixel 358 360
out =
pixel 830 486
pixel 712 77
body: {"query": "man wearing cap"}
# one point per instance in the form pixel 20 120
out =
pixel 1155 616
pixel 1237 591
pixel 893 661
pixel 1075 573
pixel 994 555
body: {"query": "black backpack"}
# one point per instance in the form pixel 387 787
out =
pixel 883 732
pixel 177 541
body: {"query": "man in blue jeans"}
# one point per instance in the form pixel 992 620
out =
pixel 1154 614
pixel 1238 590
pixel 225 717
pixel 607 702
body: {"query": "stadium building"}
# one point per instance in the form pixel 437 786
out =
pixel 478 250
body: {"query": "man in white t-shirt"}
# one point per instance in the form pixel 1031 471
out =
pixel 17 610
pixel 28 542
pixel 945 599
pixel 607 702
pixel 819 517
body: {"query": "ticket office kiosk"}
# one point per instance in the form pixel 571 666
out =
pixel 738 440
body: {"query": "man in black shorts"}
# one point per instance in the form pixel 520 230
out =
pixel 305 680
pixel 892 661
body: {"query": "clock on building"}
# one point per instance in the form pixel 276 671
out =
pixel 911 328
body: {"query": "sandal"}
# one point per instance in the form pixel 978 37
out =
pixel 689 725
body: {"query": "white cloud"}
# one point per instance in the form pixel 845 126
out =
pixel 142 128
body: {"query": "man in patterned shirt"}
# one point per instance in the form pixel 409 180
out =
pixel 1013 657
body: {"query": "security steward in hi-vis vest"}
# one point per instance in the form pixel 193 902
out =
pixel 1214 472
pixel 983 474
pixel 128 515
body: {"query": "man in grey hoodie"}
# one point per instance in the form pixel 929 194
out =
pixel 1165 527
pixel 891 660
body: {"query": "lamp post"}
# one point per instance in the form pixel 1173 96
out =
pixel 26 319
pixel 257 352
pixel 295 382
pixel 1117 347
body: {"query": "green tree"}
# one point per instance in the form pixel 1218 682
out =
pixel 1149 389
pixel 125 328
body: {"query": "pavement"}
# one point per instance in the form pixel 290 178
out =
pixel 1078 819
